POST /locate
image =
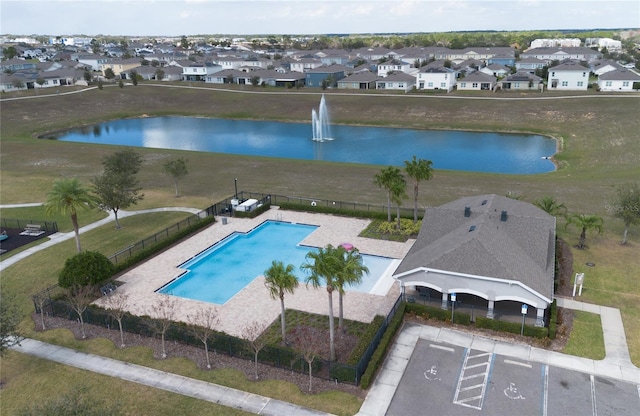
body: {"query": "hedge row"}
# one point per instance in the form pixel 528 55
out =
pixel 427 312
pixel 252 214
pixel 366 338
pixel 511 327
pixel 378 356
pixel 553 320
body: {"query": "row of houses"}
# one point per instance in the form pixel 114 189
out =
pixel 406 69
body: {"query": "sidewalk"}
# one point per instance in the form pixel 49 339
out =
pixel 616 364
pixel 174 383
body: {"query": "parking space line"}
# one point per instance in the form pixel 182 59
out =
pixel 545 389
pixel 475 401
pixel 594 410
pixel 517 363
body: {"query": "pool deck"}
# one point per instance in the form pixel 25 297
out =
pixel 253 305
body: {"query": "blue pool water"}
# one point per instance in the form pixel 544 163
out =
pixel 224 269
pixel 452 150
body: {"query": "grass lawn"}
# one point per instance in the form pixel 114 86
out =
pixel 597 136
pixel 586 338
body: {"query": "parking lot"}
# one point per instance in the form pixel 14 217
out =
pixel 445 379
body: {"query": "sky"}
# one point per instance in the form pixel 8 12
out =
pixel 307 17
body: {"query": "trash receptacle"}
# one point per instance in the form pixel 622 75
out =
pixel 224 220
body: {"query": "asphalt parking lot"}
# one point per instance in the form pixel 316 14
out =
pixel 443 379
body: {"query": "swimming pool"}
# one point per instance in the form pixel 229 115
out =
pixel 224 269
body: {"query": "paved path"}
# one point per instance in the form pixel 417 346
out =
pixel 174 383
pixel 60 237
pixel 616 364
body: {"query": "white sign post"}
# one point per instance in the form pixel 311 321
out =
pixel 579 280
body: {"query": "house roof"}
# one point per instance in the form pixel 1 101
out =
pixel 522 76
pixel 479 77
pixel 620 75
pixel 568 66
pixel 522 247
pixel 398 77
pixel 364 76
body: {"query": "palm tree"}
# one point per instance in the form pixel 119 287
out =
pixel 549 205
pixel 350 272
pixel 280 280
pixel 418 170
pixel 392 180
pixel 322 266
pixel 66 197
pixel 586 222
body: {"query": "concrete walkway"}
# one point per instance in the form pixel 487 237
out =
pixel 174 383
pixel 616 364
pixel 60 237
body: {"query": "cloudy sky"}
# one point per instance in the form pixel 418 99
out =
pixel 191 17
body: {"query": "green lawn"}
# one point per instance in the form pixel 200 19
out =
pixel 597 135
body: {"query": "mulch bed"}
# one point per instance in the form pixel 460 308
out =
pixel 16 240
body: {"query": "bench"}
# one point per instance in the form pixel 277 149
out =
pixel 32 230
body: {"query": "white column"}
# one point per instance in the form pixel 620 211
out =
pixel 539 317
pixel 445 301
pixel 490 309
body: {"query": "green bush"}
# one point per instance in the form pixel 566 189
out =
pixel 252 214
pixel 88 268
pixel 365 339
pixel 553 320
pixel 380 352
pixel 428 312
pixel 511 327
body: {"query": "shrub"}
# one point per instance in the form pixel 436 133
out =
pixel 86 269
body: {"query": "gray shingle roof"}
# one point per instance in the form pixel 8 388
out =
pixel 521 248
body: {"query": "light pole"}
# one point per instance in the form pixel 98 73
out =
pixel 523 310
pixel 453 305
pixel 235 182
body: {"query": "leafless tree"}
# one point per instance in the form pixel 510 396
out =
pixel 252 335
pixel 162 316
pixel 40 300
pixel 310 343
pixel 80 297
pixel 115 304
pixel 202 324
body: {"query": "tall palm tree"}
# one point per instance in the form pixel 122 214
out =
pixel 393 182
pixel 549 205
pixel 280 279
pixel 66 197
pixel 586 222
pixel 322 266
pixel 350 272
pixel 418 170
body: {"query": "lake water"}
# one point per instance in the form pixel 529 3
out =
pixel 450 150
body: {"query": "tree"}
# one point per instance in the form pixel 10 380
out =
pixel 159 74
pixel 549 205
pixel 202 324
pixel 418 170
pixel 66 197
pixel 255 80
pixel 586 223
pixel 10 52
pixel 322 268
pixel 88 268
pixel 88 76
pixel 309 343
pixel 255 342
pixel 626 206
pixel 134 77
pixel 177 169
pixel 118 187
pixel 41 81
pixel 350 270
pixel 115 304
pixel 109 74
pixel 393 182
pixel 79 298
pixel 9 320
pixel 161 317
pixel 280 279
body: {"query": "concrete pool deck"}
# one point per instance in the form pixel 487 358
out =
pixel 253 305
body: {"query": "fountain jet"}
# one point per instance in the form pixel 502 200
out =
pixel 320 122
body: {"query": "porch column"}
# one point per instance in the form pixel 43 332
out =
pixel 445 301
pixel 539 317
pixel 490 306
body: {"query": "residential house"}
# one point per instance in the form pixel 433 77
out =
pixel 226 76
pixel 359 81
pixel 436 78
pixel 488 249
pixel 561 54
pixel 375 53
pixel 497 70
pixel 62 77
pixel 521 81
pixel 603 66
pixel 198 71
pixel 399 81
pixel 620 80
pixel 569 75
pixel 530 65
pixel 326 75
pixel 94 61
pixel 507 54
pixel 120 65
pixel 305 64
pixel 171 73
pixel 477 81
pixel 505 60
pixel 13 65
pixel 275 78
pixel 394 65
pixel 12 82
